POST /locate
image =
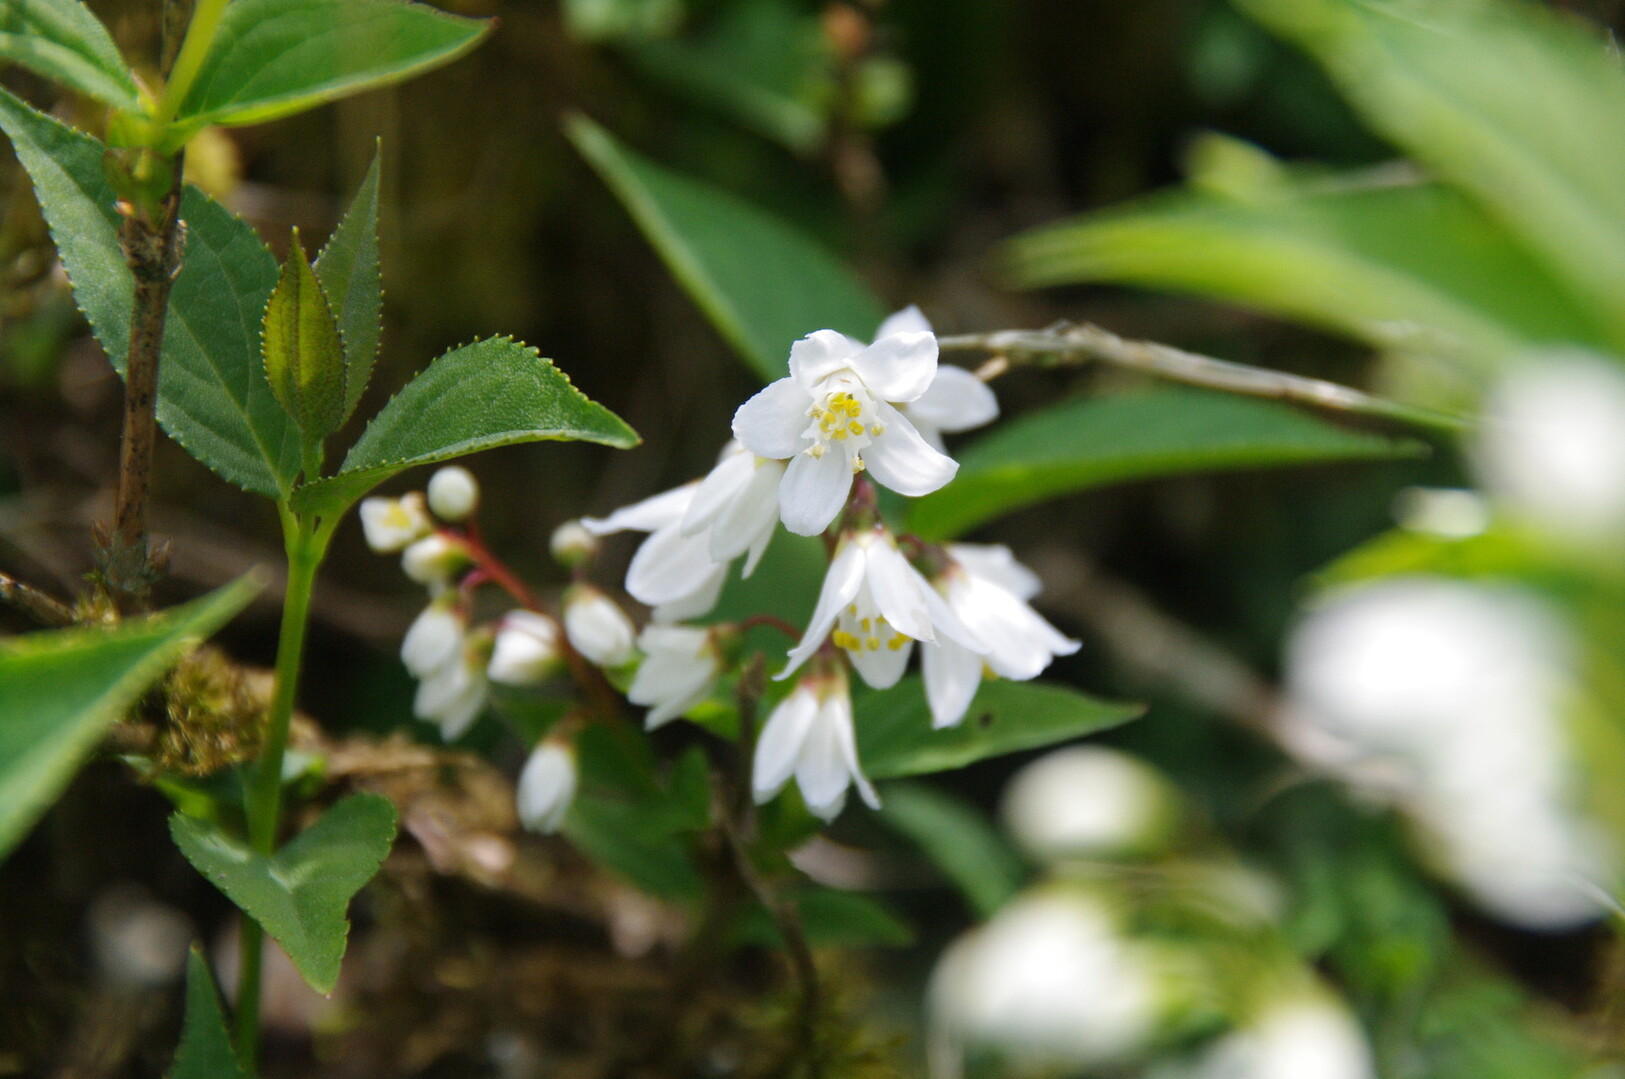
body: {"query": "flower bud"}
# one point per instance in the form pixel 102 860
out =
pixel 454 694
pixel 572 544
pixel 597 628
pixel 434 639
pixel 392 523
pixel 434 560
pixel 527 649
pixel 1089 802
pixel 679 665
pixel 547 786
pixel 453 493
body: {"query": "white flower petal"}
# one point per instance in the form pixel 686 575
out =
pixel 995 563
pixel 460 714
pixel 908 320
pixel 849 751
pixel 720 487
pixel 882 667
pixel 526 651
pixel 754 509
pixel 820 353
pixel 781 741
pixel 597 628
pixel 668 566
pixel 547 786
pixel 900 367
pixel 435 637
pixel 770 423
pixel 697 603
pixel 955 401
pixel 758 545
pixel 898 590
pixel 841 584
pixel 652 513
pixel 953 673
pixel 813 491
pixel 900 459
pixel 821 770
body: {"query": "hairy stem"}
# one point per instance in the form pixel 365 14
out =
pixel 1071 343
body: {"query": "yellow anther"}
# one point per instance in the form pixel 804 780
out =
pixel 871 643
pixel 865 624
pixel 855 427
pixel 858 465
pixel 878 429
pixel 816 450
pixel 896 642
pixel 838 436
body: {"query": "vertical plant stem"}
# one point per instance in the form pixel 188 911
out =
pixel 306 544
pixel 200 34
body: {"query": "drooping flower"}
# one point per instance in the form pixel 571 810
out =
pixel 597 627
pixel 679 665
pixel 810 736
pixel 547 786
pixel 453 493
pixel 434 637
pixel 526 650
pixel 988 590
pixel 390 524
pixel 434 560
pixel 835 416
pixel 453 694
pixel 955 401
pixel 876 606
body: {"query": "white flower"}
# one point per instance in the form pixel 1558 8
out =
pixel 1308 1034
pixel 435 636
pixel 454 693
pixel 526 650
pixel 809 736
pixel 987 589
pixel 834 417
pixel 571 544
pixel 877 606
pixel 391 523
pixel 434 560
pixel 453 493
pixel 1088 802
pixel 596 627
pixel 955 401
pixel 736 506
pixel 679 665
pixel 547 786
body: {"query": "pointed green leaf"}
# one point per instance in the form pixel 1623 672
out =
pixel 62 40
pixel 205 1050
pixel 300 893
pixel 60 691
pixel 1090 442
pixel 273 58
pixel 212 395
pixel 762 283
pixel 491 393
pixel 959 840
pixel 304 359
pixel 895 737
pixel 349 272
pixel 1397 266
pixel 1517 105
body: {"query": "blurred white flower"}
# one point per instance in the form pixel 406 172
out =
pixel 1552 444
pixel 572 544
pixel 955 401
pixel 876 606
pixel 434 638
pixel 547 786
pixel 1448 697
pixel 453 493
pixel 834 417
pixel 453 694
pixel 809 736
pixel 1018 642
pixel 1089 802
pixel 1308 1035
pixel 527 649
pixel 391 523
pixel 597 627
pixel 434 560
pixel 679 665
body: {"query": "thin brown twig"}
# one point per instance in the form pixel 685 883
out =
pixel 1068 343
pixel 35 604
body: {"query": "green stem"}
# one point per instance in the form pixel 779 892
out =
pixel 306 543
pixel 200 35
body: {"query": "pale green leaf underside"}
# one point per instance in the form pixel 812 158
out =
pixel 1414 266
pixel 349 270
pixel 762 283
pixel 213 398
pixel 1516 105
pixel 62 40
pixel 895 737
pixel 276 57
pixel 1090 442
pixel 299 894
pixel 205 1051
pixel 491 393
pixel 60 691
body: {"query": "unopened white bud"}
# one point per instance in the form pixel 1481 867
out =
pixel 391 523
pixel 434 560
pixel 1089 802
pixel 434 639
pixel 547 786
pixel 572 544
pixel 453 493
pixel 597 628
pixel 527 649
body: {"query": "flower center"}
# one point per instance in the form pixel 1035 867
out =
pixel 844 416
pixel 865 629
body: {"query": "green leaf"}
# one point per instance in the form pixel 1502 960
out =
pixel 205 1051
pixel 304 358
pixel 62 40
pixel 491 393
pixel 958 839
pixel 349 271
pixel 830 919
pixel 1089 442
pixel 300 893
pixel 895 736
pixel 762 284
pixel 212 395
pixel 273 58
pixel 1514 104
pixel 60 691
pixel 1415 266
